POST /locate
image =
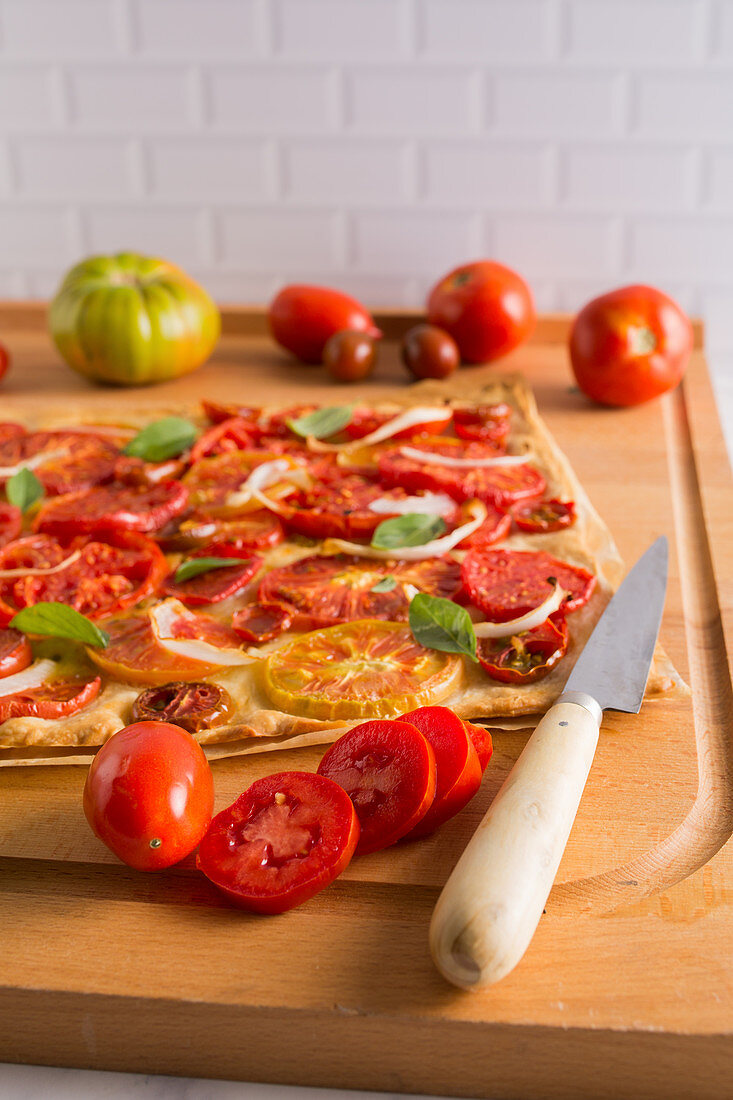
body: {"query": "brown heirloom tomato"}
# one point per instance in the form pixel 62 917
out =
pixel 487 309
pixel 350 356
pixel 429 352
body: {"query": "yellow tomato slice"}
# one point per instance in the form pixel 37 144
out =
pixel 363 669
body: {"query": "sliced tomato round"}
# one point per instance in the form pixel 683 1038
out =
pixel 365 420
pixel 216 412
pixel 193 706
pixel 261 622
pixel 542 516
pixel 233 434
pixel 211 480
pixel 495 527
pixel 365 669
pixel 135 656
pixel 323 591
pixel 76 460
pixel 15 652
pixel 57 699
pixel 103 579
pixel 135 471
pixel 458 766
pixel 11 523
pixel 215 585
pixel 11 447
pixel 285 839
pixel 506 584
pixel 482 743
pixel 241 535
pixel 388 770
pixel 115 507
pixel 484 422
pixel 525 657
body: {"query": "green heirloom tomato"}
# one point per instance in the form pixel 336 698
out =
pixel 132 320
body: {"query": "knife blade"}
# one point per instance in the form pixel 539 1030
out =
pixel 490 906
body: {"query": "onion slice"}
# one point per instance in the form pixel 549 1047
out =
pixel 431 504
pixel 410 418
pixel 46 572
pixel 431 458
pixel 476 509
pixel 536 617
pixel 31 677
pixel 163 619
pixel 263 477
pixel 33 462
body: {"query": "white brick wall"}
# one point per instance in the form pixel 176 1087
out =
pixel 372 143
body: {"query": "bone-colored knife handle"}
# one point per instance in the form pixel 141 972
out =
pixel 492 902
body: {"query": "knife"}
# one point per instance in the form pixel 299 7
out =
pixel 491 904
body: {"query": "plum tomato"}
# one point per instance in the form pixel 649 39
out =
pixel 430 352
pixel 630 345
pixel 303 317
pixel 487 309
pixel 285 838
pixel 192 705
pixel 388 770
pixel 149 794
pixel 482 743
pixel 458 766
pixel 527 656
pixel 350 356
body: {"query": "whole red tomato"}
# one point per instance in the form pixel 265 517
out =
pixel 303 317
pixel 487 309
pixel 4 360
pixel 149 795
pixel 630 345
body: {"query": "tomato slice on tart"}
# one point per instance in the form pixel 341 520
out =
pixel 11 435
pixel 543 516
pixel 506 584
pixel 215 585
pixel 365 420
pixel 323 590
pixel 261 622
pixel 364 669
pixel 458 768
pixel 135 471
pixel 388 770
pixel 233 434
pixel 134 655
pixel 114 507
pixel 483 422
pixel 11 523
pixel 240 535
pixel 57 699
pixel 193 706
pixel 284 839
pixel 15 652
pixel 211 480
pixel 216 412
pixel 525 657
pixel 495 527
pixel 76 460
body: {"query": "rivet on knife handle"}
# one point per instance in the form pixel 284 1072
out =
pixel 492 902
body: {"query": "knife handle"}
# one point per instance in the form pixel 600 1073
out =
pixel 491 904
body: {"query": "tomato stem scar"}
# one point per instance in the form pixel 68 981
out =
pixel 156 842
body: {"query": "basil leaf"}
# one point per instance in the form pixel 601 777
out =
pixel 322 422
pixel 23 489
pixel 162 439
pixel 195 566
pixel 385 585
pixel 441 624
pixel 412 529
pixel 56 620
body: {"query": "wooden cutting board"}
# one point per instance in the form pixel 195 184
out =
pixel 626 990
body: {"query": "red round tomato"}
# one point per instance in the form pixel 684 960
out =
pixel 57 699
pixel 15 652
pixel 487 309
pixel 215 585
pixel 303 317
pixel 149 795
pixel 506 584
pixel 388 770
pixel 285 839
pixel 11 523
pixel 630 345
pixel 115 507
pixel 457 763
pixel 527 656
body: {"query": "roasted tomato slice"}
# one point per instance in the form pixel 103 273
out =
pixel 261 622
pixel 233 434
pixel 527 656
pixel 495 527
pixel 505 584
pixel 211 480
pixel 215 585
pixel 388 771
pixel 484 422
pixel 11 447
pixel 116 507
pixel 15 652
pixel 11 523
pixel 541 516
pixel 365 669
pixel 365 420
pixel 482 743
pixel 253 531
pixel 458 766
pixel 193 706
pixel 286 838
pixel 217 412
pixel 135 656
pixel 76 460
pixel 56 699
pixel 101 578
pixel 323 591
pixel 134 471
pixel 342 507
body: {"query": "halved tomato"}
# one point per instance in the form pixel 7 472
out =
pixel 115 507
pixel 484 422
pixel 365 669
pixel 527 656
pixel 215 585
pixel 323 591
pixel 11 523
pixel 15 652
pixel 505 584
pixel 77 460
pixel 103 579
pixel 134 655
pixel 241 535
pixel 542 516
pixel 56 699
